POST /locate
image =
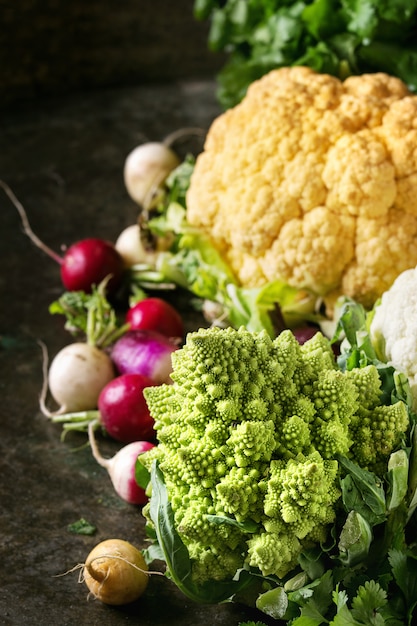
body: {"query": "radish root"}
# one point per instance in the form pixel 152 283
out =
pixel 182 133
pixel 81 566
pixel 27 229
pixel 44 390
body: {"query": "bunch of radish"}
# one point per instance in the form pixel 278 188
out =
pixel 100 382
pixel 97 381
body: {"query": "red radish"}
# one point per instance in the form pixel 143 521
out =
pixel 157 315
pixel 77 375
pixel 123 410
pixel 122 468
pixel 86 263
pixel 304 333
pixel 144 352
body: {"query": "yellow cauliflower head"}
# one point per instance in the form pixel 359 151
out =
pixel 313 181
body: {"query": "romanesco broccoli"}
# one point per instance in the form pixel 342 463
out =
pixel 248 435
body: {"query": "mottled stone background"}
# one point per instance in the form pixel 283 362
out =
pixel 60 46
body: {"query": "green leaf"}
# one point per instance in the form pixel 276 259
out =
pixel 315 600
pixel 82 527
pixel 142 476
pixel 404 569
pixel 322 19
pixel 362 491
pixel 397 477
pixel 90 315
pixel 273 602
pixel 362 17
pixel 249 526
pixel 367 604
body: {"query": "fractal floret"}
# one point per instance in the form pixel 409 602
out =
pixel 249 433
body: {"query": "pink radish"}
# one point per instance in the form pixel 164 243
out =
pixel 144 352
pixel 124 413
pixel 121 468
pixel 86 263
pixel 157 315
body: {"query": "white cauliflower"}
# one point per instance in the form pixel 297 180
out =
pixel 393 328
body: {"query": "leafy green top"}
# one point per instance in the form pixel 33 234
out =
pixel 338 37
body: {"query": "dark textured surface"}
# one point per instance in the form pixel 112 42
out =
pixel 64 160
pixel 59 46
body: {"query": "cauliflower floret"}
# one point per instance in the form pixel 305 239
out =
pixel 393 328
pixel 313 181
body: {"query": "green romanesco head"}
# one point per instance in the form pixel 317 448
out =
pixel 302 492
pixel 247 437
pixel 335 400
pixel 273 553
pixel 368 385
pixel 376 433
pixel 240 493
pixel 212 564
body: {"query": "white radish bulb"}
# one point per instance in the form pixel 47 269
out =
pixel 146 167
pixel 131 249
pixel 77 375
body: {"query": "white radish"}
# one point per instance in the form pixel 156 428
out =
pixel 130 247
pixel 77 375
pixel 115 572
pixel 122 468
pixel 147 166
pixel 145 169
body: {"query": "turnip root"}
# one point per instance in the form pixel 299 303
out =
pixel 115 572
pixel 77 375
pixel 122 467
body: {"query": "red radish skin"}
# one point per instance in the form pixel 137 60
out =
pixel 144 352
pixel 121 468
pixel 124 413
pixel 304 333
pixel 77 375
pixel 88 262
pixel 157 315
